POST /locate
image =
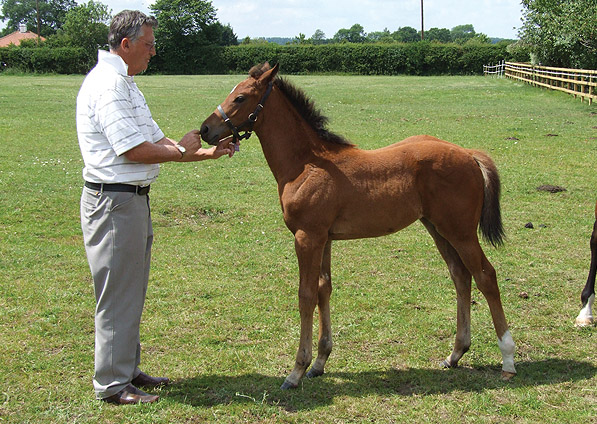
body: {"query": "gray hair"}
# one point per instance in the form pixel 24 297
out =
pixel 128 24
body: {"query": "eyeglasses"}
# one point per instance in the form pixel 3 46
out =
pixel 149 45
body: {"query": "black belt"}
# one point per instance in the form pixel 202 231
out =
pixel 129 188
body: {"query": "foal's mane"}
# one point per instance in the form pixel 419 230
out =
pixel 303 105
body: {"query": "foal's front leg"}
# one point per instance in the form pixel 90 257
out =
pixel 309 251
pixel 324 347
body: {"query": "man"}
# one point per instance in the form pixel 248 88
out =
pixel 122 147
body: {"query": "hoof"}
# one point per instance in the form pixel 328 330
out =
pixel 507 376
pixel 287 385
pixel 312 373
pixel 584 322
pixel 446 364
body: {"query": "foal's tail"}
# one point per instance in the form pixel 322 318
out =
pixel 491 218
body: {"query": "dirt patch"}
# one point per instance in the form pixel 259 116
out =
pixel 551 188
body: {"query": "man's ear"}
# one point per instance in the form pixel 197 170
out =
pixel 125 43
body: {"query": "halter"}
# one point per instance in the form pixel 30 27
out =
pixel 250 122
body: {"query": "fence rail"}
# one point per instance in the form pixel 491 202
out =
pixel 497 70
pixel 577 82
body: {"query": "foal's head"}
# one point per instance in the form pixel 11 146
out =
pixel 240 107
pixel 239 111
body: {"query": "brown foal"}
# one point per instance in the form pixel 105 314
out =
pixel 331 190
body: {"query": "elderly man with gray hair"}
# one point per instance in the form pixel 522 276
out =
pixel 122 147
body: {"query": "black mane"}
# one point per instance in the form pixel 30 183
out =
pixel 306 108
pixel 303 105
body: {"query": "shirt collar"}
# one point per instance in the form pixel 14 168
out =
pixel 114 61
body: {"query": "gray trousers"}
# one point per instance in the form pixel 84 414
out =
pixel 118 235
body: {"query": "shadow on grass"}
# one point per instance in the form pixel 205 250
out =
pixel 213 390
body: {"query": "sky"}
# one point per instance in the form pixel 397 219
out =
pixel 289 18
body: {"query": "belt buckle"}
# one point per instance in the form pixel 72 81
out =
pixel 141 191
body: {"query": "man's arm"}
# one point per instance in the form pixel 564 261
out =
pixel 165 150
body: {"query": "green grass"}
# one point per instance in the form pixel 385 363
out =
pixel 221 316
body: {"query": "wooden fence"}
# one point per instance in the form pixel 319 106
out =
pixel 578 82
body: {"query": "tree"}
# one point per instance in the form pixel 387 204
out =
pixel 301 39
pixel 479 38
pixel 52 14
pixel 86 26
pixel 356 34
pixel 406 35
pixel 380 36
pixel 561 32
pixel 318 37
pixel 216 33
pixel 186 34
pixel 462 33
pixel 341 36
pixel 254 41
pixel 441 35
pixel 182 22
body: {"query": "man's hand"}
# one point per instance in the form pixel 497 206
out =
pixel 224 147
pixel 191 142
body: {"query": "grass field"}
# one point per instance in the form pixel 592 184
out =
pixel 221 317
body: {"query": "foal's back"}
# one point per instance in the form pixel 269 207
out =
pixel 384 190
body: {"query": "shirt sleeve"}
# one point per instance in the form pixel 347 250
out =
pixel 158 134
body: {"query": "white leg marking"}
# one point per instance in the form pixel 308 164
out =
pixel 507 347
pixel 585 317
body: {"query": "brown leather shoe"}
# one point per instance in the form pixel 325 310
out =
pixel 145 380
pixel 131 395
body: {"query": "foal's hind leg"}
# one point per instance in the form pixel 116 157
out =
pixel 462 281
pixel 587 297
pixel 324 347
pixel 485 277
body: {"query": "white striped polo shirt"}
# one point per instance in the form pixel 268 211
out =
pixel 112 118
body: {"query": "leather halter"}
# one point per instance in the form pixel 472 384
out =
pixel 250 122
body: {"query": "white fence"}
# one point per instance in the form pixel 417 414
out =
pixel 496 70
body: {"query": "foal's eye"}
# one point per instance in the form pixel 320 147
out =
pixel 239 99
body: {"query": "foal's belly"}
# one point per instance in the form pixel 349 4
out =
pixel 367 222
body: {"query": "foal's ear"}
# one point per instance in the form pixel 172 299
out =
pixel 268 76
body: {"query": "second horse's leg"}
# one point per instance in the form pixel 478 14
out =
pixel 587 297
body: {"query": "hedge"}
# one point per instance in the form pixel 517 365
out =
pixel 422 58
pixel 368 59
pixel 61 60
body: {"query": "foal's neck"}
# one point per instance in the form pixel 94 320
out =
pixel 288 142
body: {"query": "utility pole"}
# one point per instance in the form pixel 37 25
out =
pixel 422 27
pixel 37 6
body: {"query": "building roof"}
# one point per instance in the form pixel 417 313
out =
pixel 16 37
